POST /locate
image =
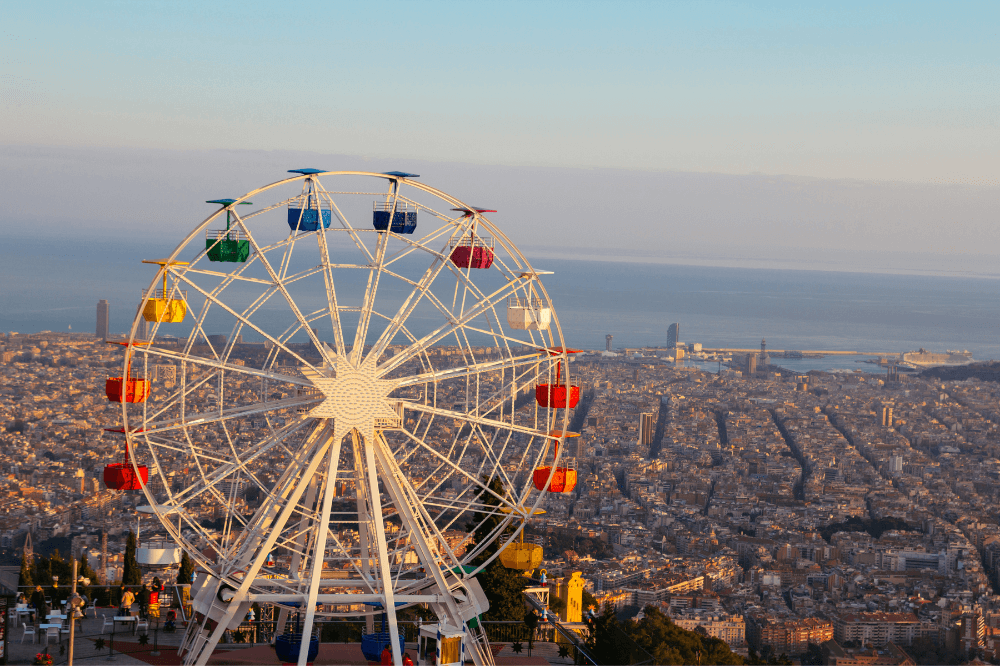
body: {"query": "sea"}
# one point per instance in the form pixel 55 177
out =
pixel 50 282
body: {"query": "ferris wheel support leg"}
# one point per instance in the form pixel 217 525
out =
pixel 363 522
pixel 201 658
pixel 400 494
pixel 300 541
pixel 319 551
pixel 383 556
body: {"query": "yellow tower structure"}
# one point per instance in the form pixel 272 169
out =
pixel 571 593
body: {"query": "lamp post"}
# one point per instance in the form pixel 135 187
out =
pixel 73 607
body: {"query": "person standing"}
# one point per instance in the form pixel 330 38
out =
pixel 144 602
pixel 128 598
pixel 38 603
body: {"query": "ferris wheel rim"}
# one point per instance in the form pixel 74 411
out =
pixel 492 228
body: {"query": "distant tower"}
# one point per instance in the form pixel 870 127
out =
pixel 142 330
pixel 102 574
pixel 607 341
pixel 892 373
pixel 646 423
pixel 887 416
pixel 673 335
pixel 751 364
pixel 763 352
pixel 103 317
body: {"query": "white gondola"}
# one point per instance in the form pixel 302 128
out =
pixel 528 314
pixel 440 644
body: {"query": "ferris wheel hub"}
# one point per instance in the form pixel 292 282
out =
pixel 355 398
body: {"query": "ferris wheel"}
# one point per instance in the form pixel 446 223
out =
pixel 331 402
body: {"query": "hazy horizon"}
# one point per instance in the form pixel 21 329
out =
pixel 595 214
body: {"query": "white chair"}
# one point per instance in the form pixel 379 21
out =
pixel 12 616
pixel 141 624
pixel 92 607
pixel 109 622
pixel 29 630
pixel 51 632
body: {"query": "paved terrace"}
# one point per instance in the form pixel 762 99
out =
pixel 129 649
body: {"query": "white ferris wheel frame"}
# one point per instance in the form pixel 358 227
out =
pixel 374 458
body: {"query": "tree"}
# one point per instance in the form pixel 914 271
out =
pixel 502 586
pixel 84 570
pixel 24 579
pixel 186 570
pixel 43 572
pixel 130 569
pixel 60 567
pixel 613 641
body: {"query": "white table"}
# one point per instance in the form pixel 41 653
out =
pixel 44 630
pixel 134 619
pixel 22 612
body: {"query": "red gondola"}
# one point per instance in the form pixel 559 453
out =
pixel 558 395
pixel 127 388
pixel 472 251
pixel 122 475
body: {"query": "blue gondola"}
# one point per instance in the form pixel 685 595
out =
pixel 404 217
pixel 372 644
pixel 305 214
pixel 286 647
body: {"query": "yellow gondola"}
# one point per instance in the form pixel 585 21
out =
pixel 522 556
pixel 160 306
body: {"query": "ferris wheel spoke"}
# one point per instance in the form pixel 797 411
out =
pixel 406 503
pixel 442 332
pixel 364 320
pixel 331 294
pixel 447 463
pixel 226 367
pixel 422 244
pixel 251 456
pixel 246 321
pixel 407 308
pixel 254 562
pixel 345 225
pixel 469 418
pixel 529 360
pixel 231 277
pixel 208 418
pixel 279 283
pixel 280 502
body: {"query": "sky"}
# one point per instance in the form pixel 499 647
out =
pixel 843 130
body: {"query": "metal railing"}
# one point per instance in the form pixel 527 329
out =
pixel 525 302
pixel 478 241
pixel 226 234
pixel 175 294
pixel 387 206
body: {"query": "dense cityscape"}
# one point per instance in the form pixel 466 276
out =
pixel 778 512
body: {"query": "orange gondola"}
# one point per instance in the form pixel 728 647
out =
pixel 563 478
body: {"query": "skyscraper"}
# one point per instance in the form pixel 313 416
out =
pixel 607 341
pixel 103 317
pixel 142 331
pixel 673 335
pixel 646 425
